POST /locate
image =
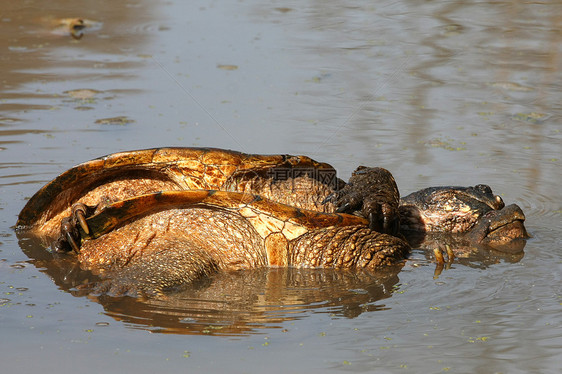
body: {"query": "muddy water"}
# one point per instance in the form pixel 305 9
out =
pixel 438 92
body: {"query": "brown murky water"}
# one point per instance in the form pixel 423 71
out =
pixel 438 92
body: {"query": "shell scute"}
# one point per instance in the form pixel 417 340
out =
pixel 128 158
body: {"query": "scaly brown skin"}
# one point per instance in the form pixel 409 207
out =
pixel 158 242
pixel 146 247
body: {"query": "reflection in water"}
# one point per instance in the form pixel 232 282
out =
pixel 459 250
pixel 247 301
pixel 229 302
pixel 233 303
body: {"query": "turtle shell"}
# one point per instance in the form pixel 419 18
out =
pixel 122 175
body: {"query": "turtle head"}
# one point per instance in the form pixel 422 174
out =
pixel 475 211
pixel 501 229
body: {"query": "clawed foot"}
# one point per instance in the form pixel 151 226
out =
pixel 440 260
pixel 373 194
pixel 70 238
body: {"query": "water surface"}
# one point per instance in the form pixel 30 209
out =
pixel 438 92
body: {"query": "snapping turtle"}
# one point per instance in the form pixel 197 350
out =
pixel 156 219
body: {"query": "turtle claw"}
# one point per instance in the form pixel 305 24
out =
pixel 70 236
pixel 345 207
pixel 391 222
pixel 79 211
pixel 375 222
pixel 372 224
pixel 72 243
pixel 440 260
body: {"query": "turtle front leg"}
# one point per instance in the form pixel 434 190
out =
pixel 347 247
pixel 70 237
pixel 373 194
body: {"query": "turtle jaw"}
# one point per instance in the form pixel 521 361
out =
pixel 502 230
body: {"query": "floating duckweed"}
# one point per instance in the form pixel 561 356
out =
pixel 478 339
pixel 511 86
pixel 209 328
pixel 121 120
pixel 533 117
pixel 227 67
pixel 437 143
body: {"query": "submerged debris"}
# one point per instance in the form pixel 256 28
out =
pixel 82 94
pixel 75 27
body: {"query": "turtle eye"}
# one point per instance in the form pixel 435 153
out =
pixel 484 188
pixel 361 170
pixel 499 200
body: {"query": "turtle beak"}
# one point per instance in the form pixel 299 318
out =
pixel 502 229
